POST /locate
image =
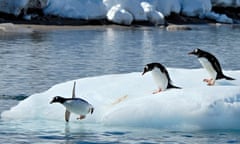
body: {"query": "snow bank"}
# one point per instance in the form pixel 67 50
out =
pixel 132 6
pixel 168 6
pixel 85 9
pixel 119 15
pixel 196 7
pixel 121 11
pixel 153 15
pixel 127 100
pixel 222 18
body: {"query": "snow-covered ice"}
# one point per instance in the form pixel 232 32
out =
pixel 153 15
pixel 85 9
pixel 127 100
pixel 119 15
pixel 121 11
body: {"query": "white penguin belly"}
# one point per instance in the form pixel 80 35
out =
pixel 160 78
pixel 77 106
pixel 208 66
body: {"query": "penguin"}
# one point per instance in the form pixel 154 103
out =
pixel 74 105
pixel 160 76
pixel 211 64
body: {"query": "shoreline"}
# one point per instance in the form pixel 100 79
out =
pixel 11 28
pixel 170 27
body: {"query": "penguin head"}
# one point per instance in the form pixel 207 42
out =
pixel 196 52
pixel 58 99
pixel 147 68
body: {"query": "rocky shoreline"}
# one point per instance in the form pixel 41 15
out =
pixel 55 20
pixel 176 19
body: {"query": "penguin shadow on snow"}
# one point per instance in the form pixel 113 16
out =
pixel 224 83
pixel 75 105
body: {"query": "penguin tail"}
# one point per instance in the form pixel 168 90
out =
pixel 91 110
pixel 225 77
pixel 173 86
pixel 228 78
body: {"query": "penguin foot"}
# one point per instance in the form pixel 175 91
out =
pixel 81 117
pixel 157 91
pixel 209 82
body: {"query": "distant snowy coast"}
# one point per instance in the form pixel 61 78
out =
pixel 123 12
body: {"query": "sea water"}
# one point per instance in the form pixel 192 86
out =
pixel 32 63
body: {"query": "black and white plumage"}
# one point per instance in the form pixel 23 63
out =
pixel 211 64
pixel 74 105
pixel 160 76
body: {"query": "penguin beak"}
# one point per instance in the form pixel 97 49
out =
pixel 190 53
pixel 144 72
pixel 53 101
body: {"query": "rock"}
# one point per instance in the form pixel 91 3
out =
pixel 177 28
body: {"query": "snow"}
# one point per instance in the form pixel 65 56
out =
pixel 153 15
pixel 119 15
pixel 121 11
pixel 226 3
pixel 85 9
pixel 219 18
pixel 196 7
pixel 168 6
pixel 127 100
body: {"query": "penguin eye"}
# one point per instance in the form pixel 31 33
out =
pixel 196 50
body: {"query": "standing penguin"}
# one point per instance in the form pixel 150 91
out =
pixel 75 105
pixel 160 76
pixel 211 64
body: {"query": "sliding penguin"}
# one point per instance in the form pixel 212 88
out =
pixel 75 105
pixel 160 76
pixel 211 64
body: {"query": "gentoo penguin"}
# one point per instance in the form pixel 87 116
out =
pixel 75 105
pixel 211 64
pixel 160 75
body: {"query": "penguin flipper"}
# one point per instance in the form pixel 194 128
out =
pixel 67 115
pixel 73 91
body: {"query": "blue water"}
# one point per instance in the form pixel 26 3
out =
pixel 32 63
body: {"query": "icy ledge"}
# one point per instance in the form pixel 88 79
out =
pixel 127 100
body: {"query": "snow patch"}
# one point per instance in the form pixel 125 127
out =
pixel 119 15
pixel 153 15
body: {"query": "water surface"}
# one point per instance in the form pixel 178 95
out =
pixel 32 63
